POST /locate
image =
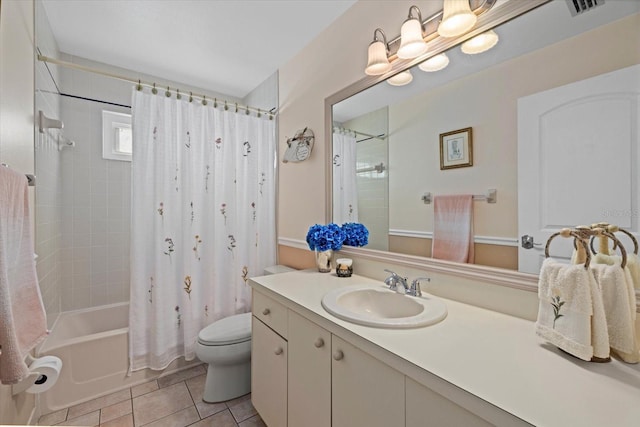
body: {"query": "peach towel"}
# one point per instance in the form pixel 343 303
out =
pixel 22 318
pixel 453 228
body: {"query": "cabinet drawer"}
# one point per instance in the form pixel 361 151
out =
pixel 272 313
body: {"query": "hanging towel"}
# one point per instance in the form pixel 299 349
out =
pixel 453 228
pixel 619 299
pixel 570 312
pixel 22 318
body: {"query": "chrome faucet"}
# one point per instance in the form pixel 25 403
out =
pixel 414 290
pixel 396 283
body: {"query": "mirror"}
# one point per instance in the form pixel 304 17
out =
pixel 398 129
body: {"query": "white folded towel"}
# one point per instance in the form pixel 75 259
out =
pixel 22 318
pixel 570 312
pixel 619 300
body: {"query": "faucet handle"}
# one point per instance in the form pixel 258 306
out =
pixel 391 281
pixel 415 286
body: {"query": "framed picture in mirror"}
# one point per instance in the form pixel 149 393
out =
pixel 456 149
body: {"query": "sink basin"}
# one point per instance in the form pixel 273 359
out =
pixel 383 308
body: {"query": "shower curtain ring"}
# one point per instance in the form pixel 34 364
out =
pixel 168 93
pixel 139 87
pixel 259 113
pixel 190 96
pixel 178 96
pixel 154 90
pixel 236 107
pixel 246 111
pixel 226 108
pixel 215 102
pixel 204 100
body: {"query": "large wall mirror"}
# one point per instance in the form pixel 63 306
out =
pixel 390 136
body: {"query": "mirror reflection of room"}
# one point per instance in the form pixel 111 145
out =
pixel 483 92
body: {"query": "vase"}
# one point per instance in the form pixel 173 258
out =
pixel 323 260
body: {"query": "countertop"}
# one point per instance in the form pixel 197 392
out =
pixel 495 357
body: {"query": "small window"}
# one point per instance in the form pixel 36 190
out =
pixel 117 139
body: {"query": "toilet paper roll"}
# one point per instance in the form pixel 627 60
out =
pixel 48 368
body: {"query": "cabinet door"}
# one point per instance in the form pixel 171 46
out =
pixel 365 391
pixel 269 374
pixel 427 408
pixel 309 375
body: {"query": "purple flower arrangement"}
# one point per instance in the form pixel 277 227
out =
pixel 333 236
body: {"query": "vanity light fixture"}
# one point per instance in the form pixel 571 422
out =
pixel 457 18
pixel 412 43
pixel 480 43
pixel 435 63
pixel 401 79
pixel 378 61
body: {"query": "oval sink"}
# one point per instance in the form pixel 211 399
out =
pixel 383 308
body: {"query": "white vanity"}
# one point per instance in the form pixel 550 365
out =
pixel 474 368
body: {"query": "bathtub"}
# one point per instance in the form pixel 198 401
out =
pixel 93 346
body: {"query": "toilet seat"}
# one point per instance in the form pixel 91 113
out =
pixel 230 330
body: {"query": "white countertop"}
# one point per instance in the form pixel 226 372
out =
pixel 496 357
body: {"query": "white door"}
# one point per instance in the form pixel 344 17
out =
pixel 578 160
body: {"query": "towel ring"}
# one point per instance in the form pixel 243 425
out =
pixel 616 244
pixel 616 241
pixel 567 232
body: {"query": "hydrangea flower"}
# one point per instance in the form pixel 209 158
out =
pixel 325 237
pixel 356 234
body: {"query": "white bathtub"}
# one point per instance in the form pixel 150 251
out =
pixel 93 346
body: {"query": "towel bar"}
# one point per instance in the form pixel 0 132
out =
pixel 31 179
pixel 490 196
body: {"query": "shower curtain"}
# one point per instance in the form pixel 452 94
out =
pixel 345 192
pixel 203 220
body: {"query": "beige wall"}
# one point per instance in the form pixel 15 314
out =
pixel 332 61
pixel 17 135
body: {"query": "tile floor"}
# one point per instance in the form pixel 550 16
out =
pixel 171 401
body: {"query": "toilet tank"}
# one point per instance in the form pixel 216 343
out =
pixel 277 269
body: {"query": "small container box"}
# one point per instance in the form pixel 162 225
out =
pixel 344 267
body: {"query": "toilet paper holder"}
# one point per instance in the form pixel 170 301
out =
pixel 34 377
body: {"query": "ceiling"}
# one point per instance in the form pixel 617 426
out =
pixel 226 46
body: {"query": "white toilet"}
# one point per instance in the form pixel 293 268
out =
pixel 226 346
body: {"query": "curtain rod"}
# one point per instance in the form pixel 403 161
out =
pixel 138 82
pixel 381 137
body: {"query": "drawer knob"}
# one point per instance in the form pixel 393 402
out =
pixel 266 311
pixel 338 355
pixel 319 343
pixel 278 351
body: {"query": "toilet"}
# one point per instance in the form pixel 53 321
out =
pixel 225 345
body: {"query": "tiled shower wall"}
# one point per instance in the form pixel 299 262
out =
pixel 96 200
pixel 48 201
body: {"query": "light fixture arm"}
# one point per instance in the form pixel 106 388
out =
pixel 384 38
pixel 419 17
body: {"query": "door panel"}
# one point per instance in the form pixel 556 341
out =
pixel 577 160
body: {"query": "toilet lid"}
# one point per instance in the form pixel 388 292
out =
pixel 230 330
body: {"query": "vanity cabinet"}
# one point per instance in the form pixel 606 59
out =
pixel 365 391
pixel 309 374
pixel 269 352
pixel 302 375
pixel 426 408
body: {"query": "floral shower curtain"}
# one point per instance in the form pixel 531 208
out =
pixel 203 220
pixel 345 191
